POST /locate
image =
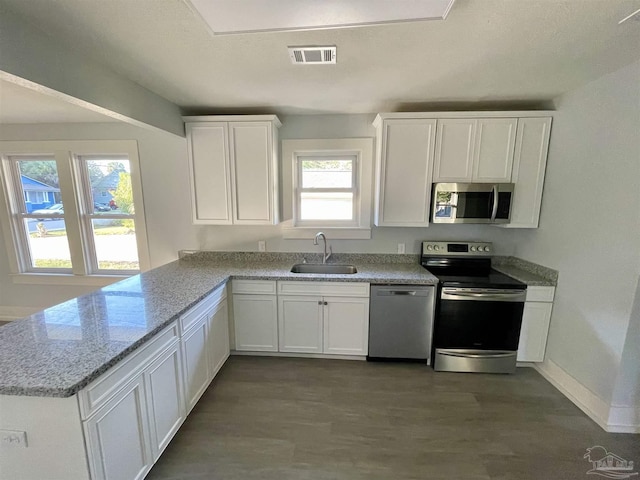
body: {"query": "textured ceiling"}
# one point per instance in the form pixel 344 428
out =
pixel 486 52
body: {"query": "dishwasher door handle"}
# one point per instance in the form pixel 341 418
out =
pixel 410 293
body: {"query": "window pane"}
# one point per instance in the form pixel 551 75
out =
pixel 326 206
pixel 40 185
pixel 327 173
pixel 110 182
pixel 48 243
pixel 116 247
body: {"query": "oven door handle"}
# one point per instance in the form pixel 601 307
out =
pixel 476 355
pixel 494 210
pixel 499 296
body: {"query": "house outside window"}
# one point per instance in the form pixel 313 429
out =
pixel 56 223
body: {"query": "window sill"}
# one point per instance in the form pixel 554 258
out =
pixel 65 279
pixel 333 233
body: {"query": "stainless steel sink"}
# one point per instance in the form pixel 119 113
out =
pixel 326 268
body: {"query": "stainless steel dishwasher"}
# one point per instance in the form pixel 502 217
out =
pixel 401 322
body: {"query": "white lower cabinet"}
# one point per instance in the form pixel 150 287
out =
pixel 323 317
pixel 163 382
pixel 300 324
pixel 536 319
pixel 219 339
pixel 346 325
pixel 118 436
pixel 196 362
pixel 255 315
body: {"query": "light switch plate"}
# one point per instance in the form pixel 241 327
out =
pixel 401 248
pixel 13 438
pixel 262 246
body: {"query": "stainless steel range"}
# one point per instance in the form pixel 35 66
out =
pixel 478 310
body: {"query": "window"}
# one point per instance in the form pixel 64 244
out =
pixel 330 187
pixel 60 220
pixel 326 190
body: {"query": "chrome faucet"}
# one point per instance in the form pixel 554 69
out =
pixel 325 255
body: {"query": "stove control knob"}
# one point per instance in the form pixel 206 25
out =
pixel 473 249
pixel 437 247
pixel 482 249
pixel 487 249
pixel 429 247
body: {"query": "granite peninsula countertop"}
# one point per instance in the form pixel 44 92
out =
pixel 57 352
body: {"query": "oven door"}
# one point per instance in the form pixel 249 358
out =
pixel 478 329
pixel 472 203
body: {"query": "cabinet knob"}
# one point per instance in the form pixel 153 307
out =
pixel 326 303
pixel 319 302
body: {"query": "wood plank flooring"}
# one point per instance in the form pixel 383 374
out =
pixel 284 418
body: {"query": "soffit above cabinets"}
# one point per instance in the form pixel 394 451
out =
pixel 231 16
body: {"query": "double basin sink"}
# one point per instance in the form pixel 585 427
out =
pixel 324 268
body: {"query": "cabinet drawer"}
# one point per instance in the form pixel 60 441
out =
pixel 204 307
pixel 336 289
pixel 103 388
pixel 258 287
pixel 540 294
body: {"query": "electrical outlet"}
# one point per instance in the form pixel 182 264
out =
pixel 262 246
pixel 13 438
pixel 401 248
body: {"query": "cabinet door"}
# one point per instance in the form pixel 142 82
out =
pixel 210 173
pixel 255 320
pixel 165 398
pixel 300 324
pixel 404 169
pixel 346 325
pixel 454 150
pixel 118 436
pixel 533 334
pixel 196 362
pixel 529 165
pixel 219 338
pixel 252 174
pixel 493 151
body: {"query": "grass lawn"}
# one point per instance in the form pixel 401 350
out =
pixel 97 231
pixel 50 263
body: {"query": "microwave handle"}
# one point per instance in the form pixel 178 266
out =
pixel 494 211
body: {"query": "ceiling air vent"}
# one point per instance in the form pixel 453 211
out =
pixel 312 55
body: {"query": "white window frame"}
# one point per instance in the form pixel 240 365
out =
pixel 362 150
pixel 323 156
pixel 77 214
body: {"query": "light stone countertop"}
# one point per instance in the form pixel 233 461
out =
pixel 57 352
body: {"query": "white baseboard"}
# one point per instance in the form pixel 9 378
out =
pixel 8 314
pixel 611 419
pixel 298 355
pixel 624 419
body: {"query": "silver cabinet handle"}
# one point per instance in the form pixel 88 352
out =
pixel 494 211
pixel 402 292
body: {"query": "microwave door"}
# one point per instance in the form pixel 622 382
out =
pixel 446 207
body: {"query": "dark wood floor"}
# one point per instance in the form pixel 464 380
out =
pixel 282 418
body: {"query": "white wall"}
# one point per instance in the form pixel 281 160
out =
pixel 590 230
pixel 384 240
pixel 165 186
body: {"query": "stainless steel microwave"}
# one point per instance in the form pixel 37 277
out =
pixel 471 202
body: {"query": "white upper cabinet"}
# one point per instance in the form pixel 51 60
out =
pixel 455 143
pixel 529 165
pixel 233 166
pixel 474 150
pixel 403 171
pixel 493 150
